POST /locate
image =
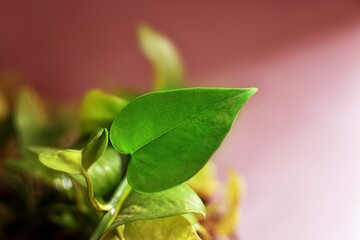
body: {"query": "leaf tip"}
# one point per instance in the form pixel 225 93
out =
pixel 253 90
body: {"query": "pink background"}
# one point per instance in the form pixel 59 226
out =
pixel 296 142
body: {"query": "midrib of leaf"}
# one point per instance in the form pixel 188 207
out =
pixel 130 139
pixel 178 124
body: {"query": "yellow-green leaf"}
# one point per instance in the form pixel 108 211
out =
pixel 99 109
pixel 230 205
pixel 165 60
pixel 175 201
pixel 205 183
pixel 172 228
pixel 68 161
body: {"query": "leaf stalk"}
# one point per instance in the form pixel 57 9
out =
pixel 117 200
pixel 90 190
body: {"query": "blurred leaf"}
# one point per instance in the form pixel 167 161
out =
pixel 32 167
pixel 30 118
pixel 175 201
pixel 205 182
pixel 105 173
pixel 95 148
pixel 163 56
pixel 172 228
pixel 99 109
pixel 172 134
pixel 112 235
pixel 41 149
pixel 200 229
pixel 63 215
pixel 127 94
pixel 68 161
pixel 230 205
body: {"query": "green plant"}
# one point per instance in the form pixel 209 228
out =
pixel 134 187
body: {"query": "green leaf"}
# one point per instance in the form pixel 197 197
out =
pixel 95 148
pixel 163 56
pixel 205 182
pixel 99 109
pixel 175 201
pixel 41 149
pixel 30 119
pixel 172 134
pixel 173 228
pixel 68 161
pixel 38 170
pixel 105 173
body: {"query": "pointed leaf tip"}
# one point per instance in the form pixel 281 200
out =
pixel 95 148
pixel 172 134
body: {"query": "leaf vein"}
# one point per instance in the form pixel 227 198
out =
pixel 182 122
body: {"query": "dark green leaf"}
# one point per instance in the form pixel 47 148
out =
pixel 172 134
pixel 172 228
pixel 163 56
pixel 175 201
pixel 99 110
pixel 68 161
pixel 105 173
pixel 95 148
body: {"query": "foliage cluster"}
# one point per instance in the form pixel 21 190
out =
pixel 137 168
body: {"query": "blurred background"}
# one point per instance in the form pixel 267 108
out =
pixel 297 140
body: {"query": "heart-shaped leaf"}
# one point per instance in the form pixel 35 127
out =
pixel 68 161
pixel 172 228
pixel 172 134
pixel 175 201
pixel 99 109
pixel 95 148
pixel 163 56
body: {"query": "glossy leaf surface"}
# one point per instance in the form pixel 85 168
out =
pixel 163 56
pixel 172 228
pixel 95 148
pixel 172 134
pixel 175 201
pixel 99 110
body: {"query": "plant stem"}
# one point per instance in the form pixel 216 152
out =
pixel 94 202
pixel 117 200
